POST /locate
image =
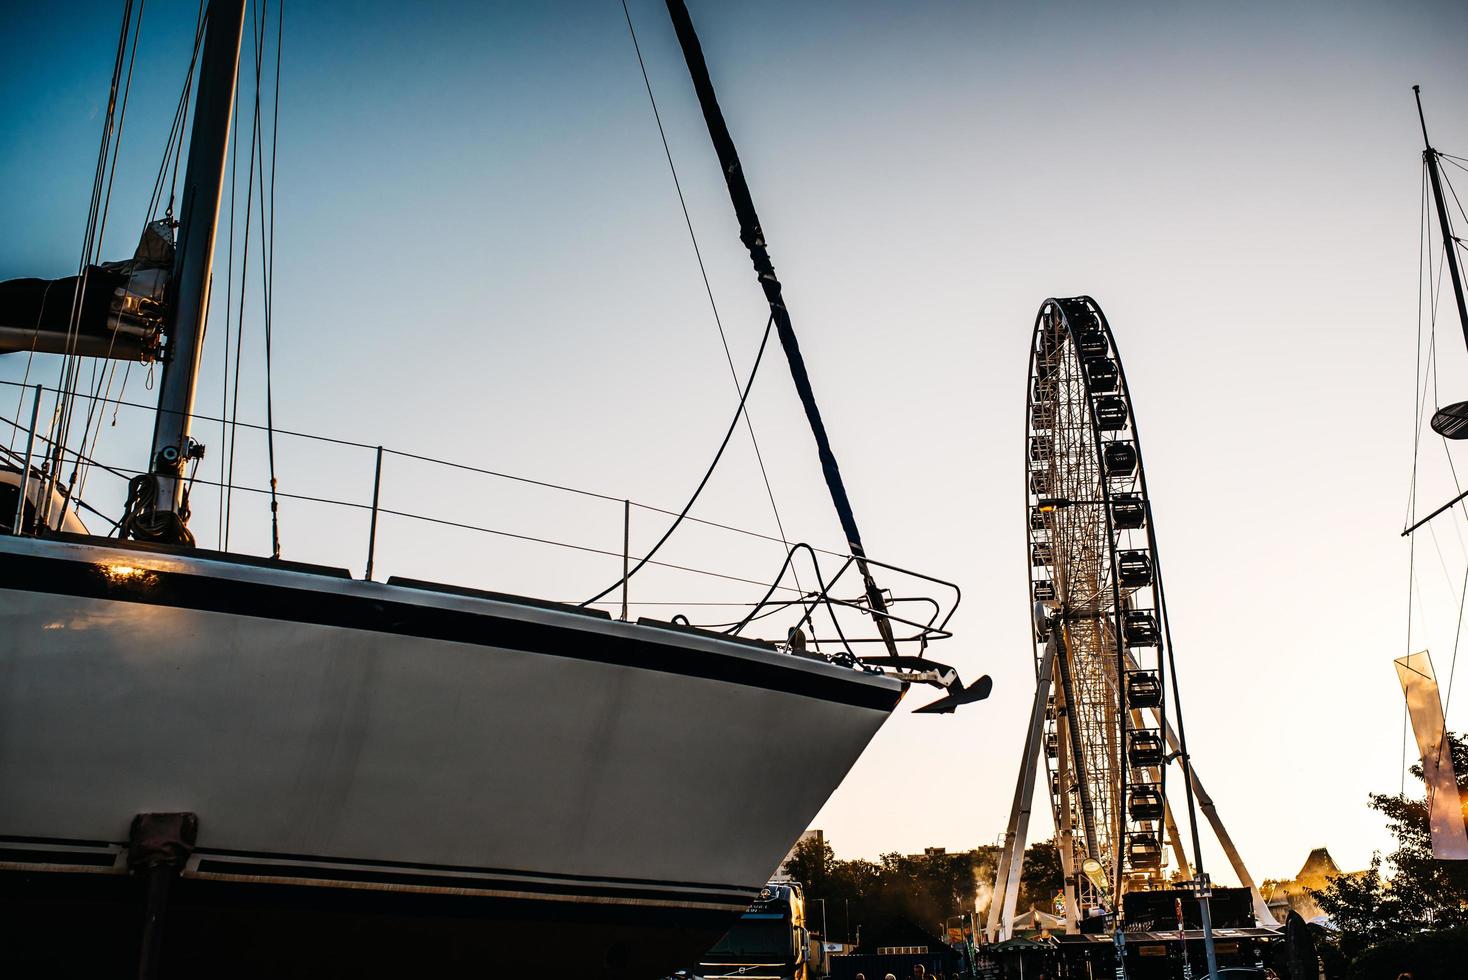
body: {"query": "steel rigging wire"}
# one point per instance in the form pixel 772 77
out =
pixel 102 381
pixel 118 403
pixel 172 152
pixel 172 155
pixel 91 243
pixel 96 224
pixel 255 163
pixel 126 473
pixel 224 425
pixel 234 390
pixel 1427 374
pixel 268 269
pixel 703 272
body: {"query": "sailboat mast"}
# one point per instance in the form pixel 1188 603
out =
pixel 194 260
pixel 753 237
pixel 1449 245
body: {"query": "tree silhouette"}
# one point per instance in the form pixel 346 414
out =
pixel 1421 894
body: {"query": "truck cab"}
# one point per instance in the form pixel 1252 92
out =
pixel 769 942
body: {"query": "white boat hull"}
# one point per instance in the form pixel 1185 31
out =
pixel 354 736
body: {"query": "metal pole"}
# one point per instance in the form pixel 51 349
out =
pixel 25 472
pixel 1205 892
pixel 159 877
pixel 203 184
pixel 1449 245
pixel 159 845
pixel 372 528
pixel 626 552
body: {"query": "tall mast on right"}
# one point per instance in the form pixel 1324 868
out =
pixel 1449 243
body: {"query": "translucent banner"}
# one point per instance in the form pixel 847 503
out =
pixel 1445 809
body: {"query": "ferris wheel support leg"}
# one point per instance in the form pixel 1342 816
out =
pixel 1205 803
pixel 1210 811
pixel 1000 923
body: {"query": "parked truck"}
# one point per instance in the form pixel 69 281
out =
pixel 771 941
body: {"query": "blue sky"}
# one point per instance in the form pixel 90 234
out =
pixel 481 256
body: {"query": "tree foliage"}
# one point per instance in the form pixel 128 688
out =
pixel 1420 897
pixel 1043 876
pixel 927 889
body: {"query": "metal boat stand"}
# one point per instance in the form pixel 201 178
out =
pixel 158 845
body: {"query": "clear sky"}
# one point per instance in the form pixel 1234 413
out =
pixel 480 255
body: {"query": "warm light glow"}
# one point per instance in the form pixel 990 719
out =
pixel 119 572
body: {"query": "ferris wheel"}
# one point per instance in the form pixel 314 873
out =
pixel 1093 580
pixel 1099 730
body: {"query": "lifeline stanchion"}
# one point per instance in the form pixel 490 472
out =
pixel 372 527
pixel 626 552
pixel 17 526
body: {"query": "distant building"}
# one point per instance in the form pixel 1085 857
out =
pixel 1295 894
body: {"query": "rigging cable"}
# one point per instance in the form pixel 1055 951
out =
pixel 703 272
pixel 257 32
pixel 123 473
pixel 751 234
pixel 172 151
pixel 497 474
pixel 100 372
pixel 101 233
pixel 1454 191
pixel 267 269
pixel 1428 374
pixel 173 148
pixel 224 426
pixel 733 424
pixel 70 365
pixel 1463 599
pixel 1435 293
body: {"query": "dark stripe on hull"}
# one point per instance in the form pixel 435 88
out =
pixel 104 853
pixel 220 594
pixel 408 880
pixel 64 924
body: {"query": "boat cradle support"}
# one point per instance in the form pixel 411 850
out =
pixel 158 846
